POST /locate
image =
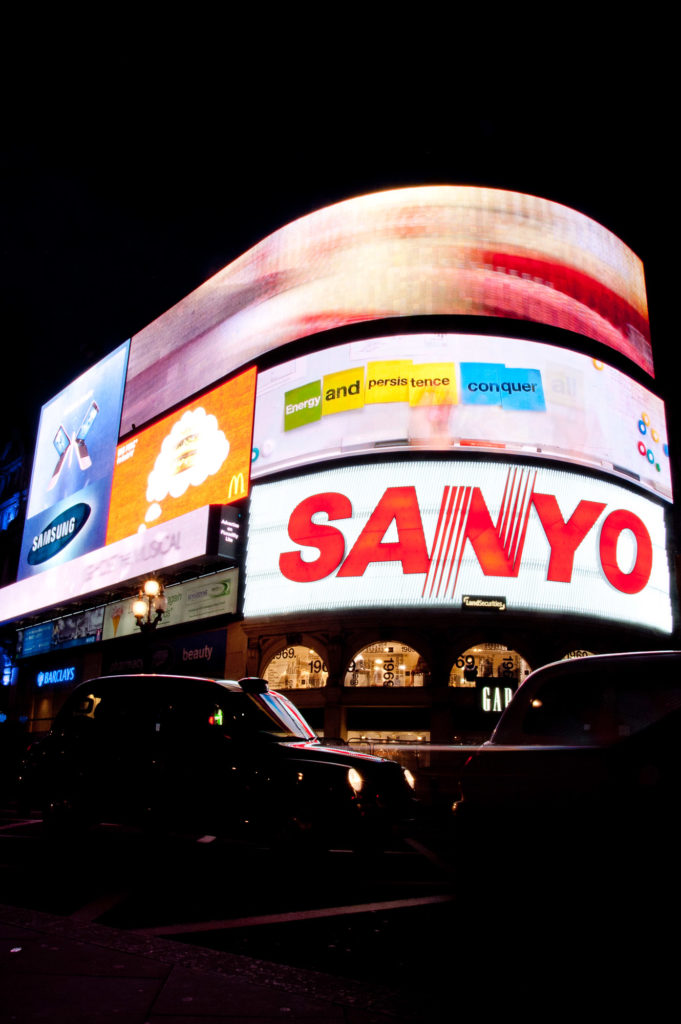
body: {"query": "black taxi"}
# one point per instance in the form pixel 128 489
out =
pixel 210 756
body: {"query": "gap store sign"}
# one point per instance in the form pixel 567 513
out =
pixel 423 534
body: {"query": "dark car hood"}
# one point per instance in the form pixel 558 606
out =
pixel 335 755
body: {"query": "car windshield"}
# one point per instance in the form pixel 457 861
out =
pixel 267 714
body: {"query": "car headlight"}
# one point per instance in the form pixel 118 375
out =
pixel 355 779
pixel 411 781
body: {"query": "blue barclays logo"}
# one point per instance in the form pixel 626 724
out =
pixel 496 384
pixel 57 675
pixel 57 534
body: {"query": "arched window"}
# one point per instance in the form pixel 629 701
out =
pixel 488 661
pixel 387 663
pixel 494 670
pixel 294 668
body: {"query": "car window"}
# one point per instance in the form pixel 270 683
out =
pixel 191 714
pixel 190 709
pixel 572 710
pixel 237 716
pixel 644 698
pixel 603 705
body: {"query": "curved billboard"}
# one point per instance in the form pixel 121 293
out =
pixel 460 392
pixel 463 536
pixel 428 250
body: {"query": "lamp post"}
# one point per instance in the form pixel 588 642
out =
pixel 150 600
pixel 148 608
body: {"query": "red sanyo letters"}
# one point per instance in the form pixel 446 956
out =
pixel 464 517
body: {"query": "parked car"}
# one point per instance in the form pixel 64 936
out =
pixel 586 755
pixel 208 756
pixel 565 839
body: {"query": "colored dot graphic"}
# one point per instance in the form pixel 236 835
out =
pixel 648 453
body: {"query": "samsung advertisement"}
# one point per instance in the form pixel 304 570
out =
pixel 448 392
pixel 68 501
pixel 425 534
pixel 168 544
pixel 407 252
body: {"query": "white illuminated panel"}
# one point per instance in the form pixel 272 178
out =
pixel 444 249
pixel 171 543
pixel 543 540
pixel 460 392
pixel 203 598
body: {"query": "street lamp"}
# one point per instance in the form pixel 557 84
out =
pixel 150 600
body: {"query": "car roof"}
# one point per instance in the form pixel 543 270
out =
pixel 228 684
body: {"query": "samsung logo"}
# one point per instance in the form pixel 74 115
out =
pixel 57 534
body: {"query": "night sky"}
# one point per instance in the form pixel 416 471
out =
pixel 122 193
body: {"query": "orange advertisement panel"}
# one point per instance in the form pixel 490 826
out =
pixel 199 455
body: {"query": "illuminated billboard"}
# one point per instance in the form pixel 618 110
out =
pixel 171 544
pixel 427 250
pixel 68 500
pixel 460 392
pixel 199 455
pixel 204 598
pixel 425 534
pixel 74 630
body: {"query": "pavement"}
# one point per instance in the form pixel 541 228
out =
pixel 596 949
pixel 59 970
pixel 586 932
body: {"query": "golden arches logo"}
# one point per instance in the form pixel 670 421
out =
pixel 237 488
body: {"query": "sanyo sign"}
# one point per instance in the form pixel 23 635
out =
pixel 426 533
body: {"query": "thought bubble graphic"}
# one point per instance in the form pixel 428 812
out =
pixel 153 512
pixel 194 449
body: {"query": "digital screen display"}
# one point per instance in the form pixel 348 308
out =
pixel 199 455
pixel 181 540
pixel 428 250
pixel 460 392
pixel 67 631
pixel 68 501
pixel 230 534
pixel 425 534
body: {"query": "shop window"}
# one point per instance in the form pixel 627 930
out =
pixel 494 670
pixel 387 663
pixel 296 668
pixel 370 728
pixel 373 740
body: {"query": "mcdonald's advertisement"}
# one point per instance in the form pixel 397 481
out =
pixel 199 455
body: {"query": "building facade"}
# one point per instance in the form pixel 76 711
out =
pixel 402 452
